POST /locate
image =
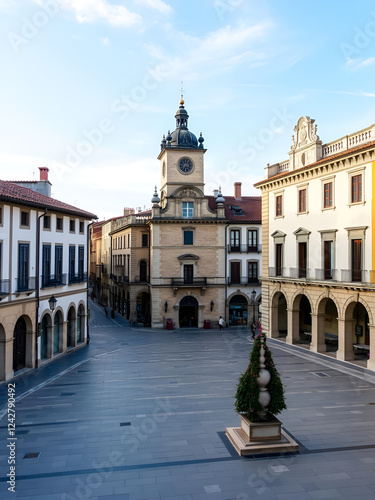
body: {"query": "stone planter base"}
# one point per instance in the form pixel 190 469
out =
pixel 256 438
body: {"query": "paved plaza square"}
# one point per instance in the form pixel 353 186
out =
pixel 140 414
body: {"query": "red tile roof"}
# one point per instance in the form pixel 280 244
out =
pixel 326 159
pixel 11 192
pixel 251 208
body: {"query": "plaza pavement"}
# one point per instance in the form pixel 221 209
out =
pixel 140 414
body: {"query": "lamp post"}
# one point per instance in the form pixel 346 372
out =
pixel 253 295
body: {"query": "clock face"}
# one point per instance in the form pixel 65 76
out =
pixel 185 166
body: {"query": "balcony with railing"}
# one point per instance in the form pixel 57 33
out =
pixel 244 248
pixel 25 284
pixel 189 281
pixel 243 280
pixel 4 287
pixel 77 278
pixel 53 280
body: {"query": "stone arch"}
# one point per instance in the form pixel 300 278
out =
pixel 280 290
pixel 81 315
pixel 23 343
pixel 299 293
pixel 353 301
pixel 72 326
pixel 58 330
pixel 188 311
pixel 320 301
pixel 238 304
pixel 278 313
pixel 45 335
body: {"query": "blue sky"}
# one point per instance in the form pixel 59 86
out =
pixel 89 87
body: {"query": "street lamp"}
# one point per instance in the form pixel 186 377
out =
pixel 52 303
pixel 253 295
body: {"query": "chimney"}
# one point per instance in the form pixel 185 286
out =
pixel 128 211
pixel 237 190
pixel 43 173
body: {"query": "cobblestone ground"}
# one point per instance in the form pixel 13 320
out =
pixel 140 414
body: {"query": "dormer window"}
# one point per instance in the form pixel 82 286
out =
pixel 236 210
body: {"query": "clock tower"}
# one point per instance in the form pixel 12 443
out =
pixel 181 158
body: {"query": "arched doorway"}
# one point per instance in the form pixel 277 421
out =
pixel 71 327
pixel 45 336
pixel 57 332
pixel 357 332
pixel 143 308
pixel 81 324
pixel 238 311
pixel 327 321
pixel 188 316
pixel 279 315
pixel 19 345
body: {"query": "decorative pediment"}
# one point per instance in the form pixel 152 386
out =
pixel 188 256
pixel 278 234
pixel 305 133
pixel 188 192
pixel 301 231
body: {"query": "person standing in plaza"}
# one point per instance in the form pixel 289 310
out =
pixel 221 323
pixel 253 329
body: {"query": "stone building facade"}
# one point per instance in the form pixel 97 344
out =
pixel 43 256
pixel 318 279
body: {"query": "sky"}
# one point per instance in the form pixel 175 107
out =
pixel 89 87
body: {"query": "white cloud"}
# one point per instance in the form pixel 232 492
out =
pixel 159 5
pixel 105 40
pixel 90 11
pixel 219 51
pixel 359 63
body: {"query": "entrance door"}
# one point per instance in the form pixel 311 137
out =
pixel 356 260
pixel 235 272
pixel 19 345
pixel 188 312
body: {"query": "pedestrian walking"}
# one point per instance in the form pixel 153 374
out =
pixel 221 323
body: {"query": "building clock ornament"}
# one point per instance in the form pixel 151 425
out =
pixel 185 166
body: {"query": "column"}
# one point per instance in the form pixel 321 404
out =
pixel 65 336
pixel 200 316
pixel 30 349
pixel 293 327
pixel 274 322
pixel 317 333
pixel 6 352
pixel 345 350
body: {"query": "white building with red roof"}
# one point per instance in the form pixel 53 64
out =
pixel 43 276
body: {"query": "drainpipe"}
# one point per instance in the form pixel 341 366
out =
pixel 37 291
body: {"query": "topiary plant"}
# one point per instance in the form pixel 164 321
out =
pixel 247 395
